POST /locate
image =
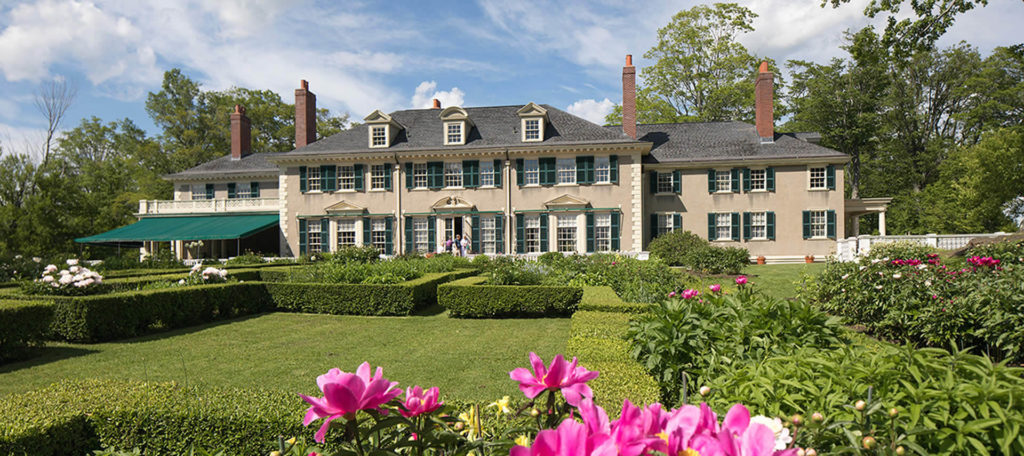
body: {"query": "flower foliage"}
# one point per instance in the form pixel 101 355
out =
pixel 73 280
pixel 200 275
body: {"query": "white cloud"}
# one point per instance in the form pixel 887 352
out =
pixel 426 92
pixel 592 110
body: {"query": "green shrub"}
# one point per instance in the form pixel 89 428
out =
pixel 359 299
pixel 605 299
pixel 905 250
pixel 718 260
pixel 515 271
pixel 130 260
pixel 246 259
pixel 341 269
pixel 19 267
pixel 633 280
pixel 674 247
pixel 473 299
pixel 22 324
pixel 602 325
pixel 356 254
pixel 1008 252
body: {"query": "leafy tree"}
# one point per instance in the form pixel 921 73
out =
pixel 916 31
pixel 998 89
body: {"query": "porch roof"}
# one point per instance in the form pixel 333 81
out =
pixel 199 227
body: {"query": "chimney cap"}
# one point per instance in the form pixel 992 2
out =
pixel 239 109
pixel 763 68
pixel 629 59
pixel 437 104
pixel 303 84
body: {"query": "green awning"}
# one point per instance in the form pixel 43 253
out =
pixel 198 227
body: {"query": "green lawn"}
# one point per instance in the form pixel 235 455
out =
pixel 781 280
pixel 467 359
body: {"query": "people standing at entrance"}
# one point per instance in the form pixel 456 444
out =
pixel 456 249
pixel 447 245
pixel 464 246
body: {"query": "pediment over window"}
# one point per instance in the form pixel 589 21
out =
pixel 381 129
pixel 452 203
pixel 344 207
pixel 531 110
pixel 567 201
pixel 378 116
pixel 454 113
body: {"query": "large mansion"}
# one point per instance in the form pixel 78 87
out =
pixel 520 179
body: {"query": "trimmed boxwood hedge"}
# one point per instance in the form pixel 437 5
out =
pixel 360 299
pixel 22 324
pixel 604 299
pixel 470 298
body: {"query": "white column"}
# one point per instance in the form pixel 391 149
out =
pixel 881 223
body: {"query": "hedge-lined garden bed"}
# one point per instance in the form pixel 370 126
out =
pixel 23 324
pixel 472 298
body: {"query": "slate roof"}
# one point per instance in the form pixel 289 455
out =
pixel 493 126
pixel 731 140
pixel 249 164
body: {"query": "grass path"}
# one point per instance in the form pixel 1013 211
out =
pixel 781 280
pixel 467 359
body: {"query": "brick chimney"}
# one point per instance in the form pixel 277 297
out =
pixel 764 111
pixel 305 115
pixel 629 97
pixel 241 141
pixel 437 104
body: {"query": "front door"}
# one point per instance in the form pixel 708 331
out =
pixel 452 227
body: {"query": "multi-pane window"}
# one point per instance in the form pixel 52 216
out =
pixel 453 133
pixel 378 176
pixel 567 170
pixel 723 226
pixel 665 183
pixel 532 169
pixel 665 224
pixel 449 228
pixel 346 177
pixel 757 180
pixel 566 233
pixel 379 136
pixel 419 175
pixel 488 235
pixel 243 190
pixel 602 170
pixel 378 234
pixel 346 233
pixel 603 232
pixel 532 232
pixel 486 173
pixel 199 192
pixel 819 221
pixel 421 234
pixel 453 174
pixel 758 225
pixel 314 236
pixel 818 178
pixel 723 181
pixel 313 178
pixel 531 129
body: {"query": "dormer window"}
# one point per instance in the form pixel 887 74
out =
pixel 454 134
pixel 378 136
pixel 381 129
pixel 457 125
pixel 533 118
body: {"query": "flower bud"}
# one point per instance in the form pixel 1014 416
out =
pixel 800 452
pixel 534 412
pixel 817 417
pixel 460 426
pixel 860 405
pixel 869 443
pixel 797 420
pixel 275 453
pixel 900 451
pixel 810 452
pixel 290 441
pixel 704 390
pixel 893 412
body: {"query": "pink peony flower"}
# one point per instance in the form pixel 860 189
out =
pixel 671 294
pixel 741 280
pixel 418 402
pixel 345 394
pixel 689 293
pixel 571 438
pixel 715 288
pixel 561 375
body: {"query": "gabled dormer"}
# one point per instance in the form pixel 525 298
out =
pixel 533 118
pixel 381 129
pixel 456 126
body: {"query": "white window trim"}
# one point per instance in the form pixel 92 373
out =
pixel 602 160
pixel 426 177
pixel 729 173
pixel 387 136
pixel 461 173
pixel 671 179
pixel 729 238
pixel 824 187
pixel 383 178
pixel 482 173
pixel 462 134
pixel 671 218
pixel 824 224
pixel 540 123
pixel 762 190
pixel 765 237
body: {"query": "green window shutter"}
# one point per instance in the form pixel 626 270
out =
pixel 432 233
pixel 807 224
pixel 831 224
pixel 615 231
pixel 325 235
pixel 654 226
pixel 499 234
pixel 520 234
pixel 388 246
pixel 735 226
pixel 830 177
pixel 471 173
pixel 711 226
pixel 769 179
pixel 770 225
pixel 408 234
pixel 474 240
pixel 328 178
pixel 302 179
pixel 231 191
pixel 498 168
pixel 544 232
pixel 677 222
pixel 435 175
pixel 367 240
pixel 654 182
pixel 746 226
pixel 388 172
pixel 548 173
pixel 711 181
pixel 735 180
pixel 613 165
pixel 746 180
pixel 520 170
pixel 590 231
pixel 209 191
pixel 357 170
pixel 302 237
pixel 677 182
pixel 408 176
pixel 585 170
pixel 254 189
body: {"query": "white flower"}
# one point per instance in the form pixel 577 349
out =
pixel 782 437
pixel 181 282
pixel 48 279
pixel 897 275
pixel 846 276
pixel 88 282
pixel 878 287
pixel 49 268
pixel 875 261
pixel 927 283
pixel 17 257
pixel 886 259
pixel 37 259
pixel 75 269
pixel 863 268
pixel 72 262
pixel 223 273
pixel 64 272
pixel 922 266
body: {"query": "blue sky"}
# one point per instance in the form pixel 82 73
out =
pixel 360 56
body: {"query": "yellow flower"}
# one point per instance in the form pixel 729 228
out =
pixel 662 436
pixel 290 441
pixel 689 452
pixel 472 428
pixel 523 440
pixel 502 405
